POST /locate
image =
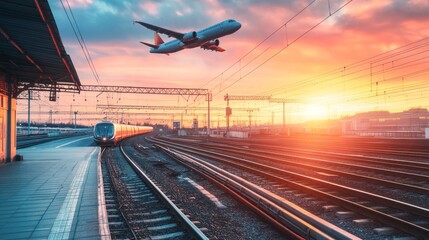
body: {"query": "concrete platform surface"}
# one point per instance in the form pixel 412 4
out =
pixel 52 193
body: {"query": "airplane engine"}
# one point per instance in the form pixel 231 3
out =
pixel 190 36
pixel 215 42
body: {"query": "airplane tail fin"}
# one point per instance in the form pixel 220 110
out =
pixel 158 39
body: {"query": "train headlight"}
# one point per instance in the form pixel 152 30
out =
pixel 104 139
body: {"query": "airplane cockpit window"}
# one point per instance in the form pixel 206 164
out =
pixel 231 20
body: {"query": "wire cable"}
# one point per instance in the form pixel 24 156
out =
pixel 80 40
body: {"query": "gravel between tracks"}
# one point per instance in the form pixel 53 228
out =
pixel 233 221
pixel 315 205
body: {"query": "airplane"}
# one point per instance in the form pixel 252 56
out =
pixel 206 38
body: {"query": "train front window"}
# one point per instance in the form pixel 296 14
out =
pixel 104 130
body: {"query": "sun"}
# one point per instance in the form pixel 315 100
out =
pixel 315 112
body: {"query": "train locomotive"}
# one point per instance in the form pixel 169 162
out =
pixel 109 134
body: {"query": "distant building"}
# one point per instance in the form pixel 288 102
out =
pixel 195 123
pixel 319 127
pixel 410 123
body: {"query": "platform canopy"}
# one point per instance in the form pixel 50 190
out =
pixel 32 55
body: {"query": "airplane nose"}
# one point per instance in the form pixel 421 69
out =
pixel 237 25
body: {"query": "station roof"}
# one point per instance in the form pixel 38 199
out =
pixel 32 55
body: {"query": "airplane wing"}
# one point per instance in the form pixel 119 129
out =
pixel 167 32
pixel 211 46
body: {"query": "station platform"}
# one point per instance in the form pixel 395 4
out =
pixel 52 193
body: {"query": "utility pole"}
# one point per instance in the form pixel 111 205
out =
pixel 250 121
pixel 284 101
pixel 209 98
pixel 75 120
pixel 50 116
pixel 30 96
pixel 28 121
pixel 228 112
pixel 227 98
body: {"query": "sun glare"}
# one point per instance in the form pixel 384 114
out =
pixel 315 112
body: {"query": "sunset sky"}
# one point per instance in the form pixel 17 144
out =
pixel 330 69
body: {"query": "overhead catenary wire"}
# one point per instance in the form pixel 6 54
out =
pixel 367 65
pixel 412 67
pixel 260 43
pixel 279 51
pixel 224 80
pixel 80 40
pixel 406 63
pixel 381 72
pixel 239 61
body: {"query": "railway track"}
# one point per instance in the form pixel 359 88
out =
pixel 415 148
pixel 355 167
pixel 344 154
pixel 222 216
pixel 136 207
pixel 397 215
pixel 118 227
pixel 293 220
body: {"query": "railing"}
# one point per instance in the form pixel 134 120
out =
pixel 24 130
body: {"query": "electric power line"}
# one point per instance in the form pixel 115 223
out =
pixel 81 41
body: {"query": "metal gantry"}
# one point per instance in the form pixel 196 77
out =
pixel 227 98
pixel 108 110
pixel 186 108
pixel 234 97
pixel 94 115
pixel 89 113
pixel 156 90
pixel 146 90
pixel 284 101
pixel 152 90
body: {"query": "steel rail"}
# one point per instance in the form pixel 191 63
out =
pixel 301 221
pixel 114 179
pixel 396 149
pixel 371 159
pixel 194 229
pixel 244 200
pixel 255 153
pixel 386 150
pixel 103 219
pixel 411 165
pixel 408 187
pixel 375 169
pixel 405 226
pixel 404 186
pixel 221 157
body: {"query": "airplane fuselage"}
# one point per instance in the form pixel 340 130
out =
pixel 199 38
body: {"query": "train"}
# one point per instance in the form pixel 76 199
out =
pixel 109 134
